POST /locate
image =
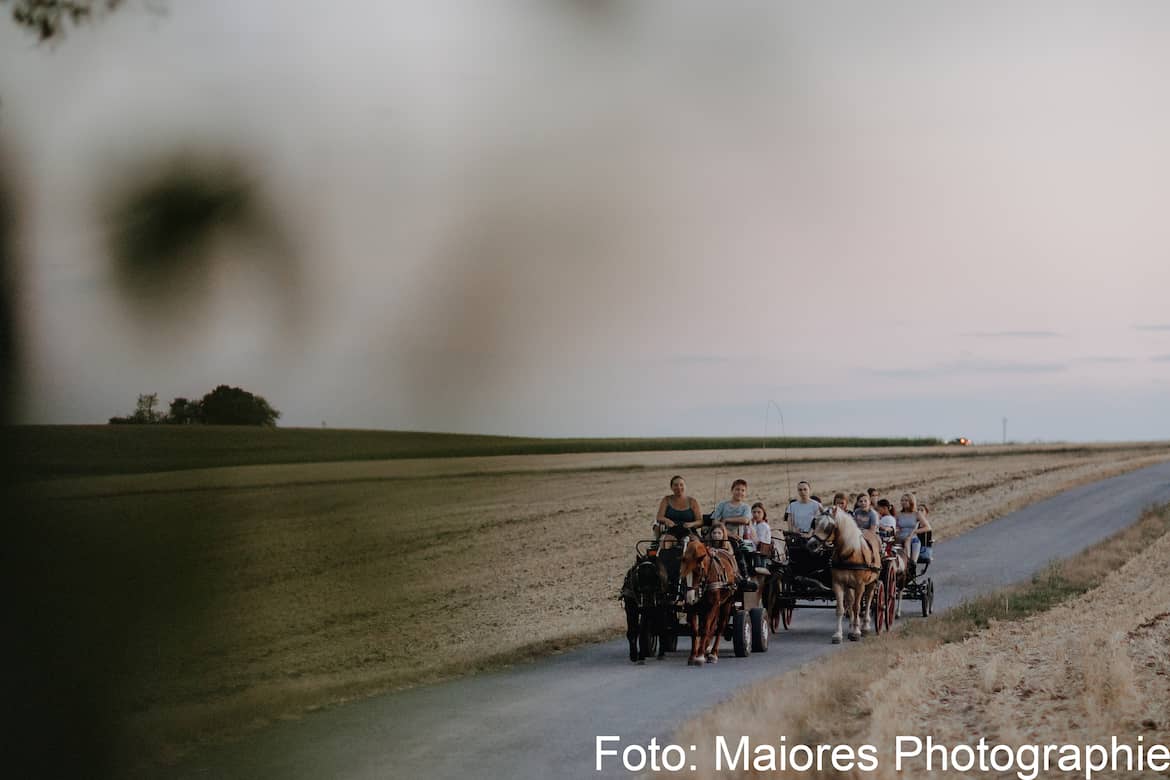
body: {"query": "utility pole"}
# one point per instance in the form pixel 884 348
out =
pixel 1005 430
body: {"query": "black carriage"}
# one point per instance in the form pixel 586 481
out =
pixel 920 587
pixel 800 579
pixel 656 609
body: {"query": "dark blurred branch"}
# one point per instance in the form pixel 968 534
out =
pixel 46 18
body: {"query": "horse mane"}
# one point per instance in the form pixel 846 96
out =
pixel 694 553
pixel 848 534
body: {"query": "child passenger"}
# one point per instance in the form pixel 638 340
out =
pixel 735 515
pixel 763 533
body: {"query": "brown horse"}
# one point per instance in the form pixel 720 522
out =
pixel 711 583
pixel 856 564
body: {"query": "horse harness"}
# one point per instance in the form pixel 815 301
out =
pixel 704 584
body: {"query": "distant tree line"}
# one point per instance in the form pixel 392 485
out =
pixel 222 406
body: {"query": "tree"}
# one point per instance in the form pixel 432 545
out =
pixel 232 406
pixel 184 412
pixel 144 412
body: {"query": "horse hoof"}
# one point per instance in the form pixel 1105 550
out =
pixel 854 637
pixel 660 658
pixel 836 640
pixel 712 659
pixel 641 662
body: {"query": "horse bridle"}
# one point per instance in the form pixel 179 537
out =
pixel 704 566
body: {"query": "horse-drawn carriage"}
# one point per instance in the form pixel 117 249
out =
pixel 670 592
pixel 803 578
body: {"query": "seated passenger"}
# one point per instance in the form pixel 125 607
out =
pixel 736 515
pixel 864 515
pixel 887 523
pixel 800 513
pixel 911 521
pixel 677 514
pixel 763 534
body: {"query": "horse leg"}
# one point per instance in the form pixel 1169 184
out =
pixel 839 594
pixel 855 594
pixel 664 617
pixel 721 614
pixel 866 603
pixel 632 615
pixel 696 658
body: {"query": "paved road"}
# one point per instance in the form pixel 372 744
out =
pixel 540 720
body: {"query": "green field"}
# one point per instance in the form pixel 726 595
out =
pixel 44 451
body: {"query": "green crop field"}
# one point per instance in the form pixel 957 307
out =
pixel 42 452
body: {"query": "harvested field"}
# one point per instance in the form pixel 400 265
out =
pixel 255 593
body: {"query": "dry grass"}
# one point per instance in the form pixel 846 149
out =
pixel 1035 664
pixel 257 593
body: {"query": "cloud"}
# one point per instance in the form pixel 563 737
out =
pixel 1015 334
pixel 1162 327
pixel 1160 358
pixel 969 367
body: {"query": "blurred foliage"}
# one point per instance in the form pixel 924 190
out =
pixel 162 221
pixel 47 18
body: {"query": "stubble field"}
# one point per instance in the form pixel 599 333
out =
pixel 221 599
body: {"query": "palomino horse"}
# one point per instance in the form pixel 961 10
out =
pixel 856 563
pixel 711 580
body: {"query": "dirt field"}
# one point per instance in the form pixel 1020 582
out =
pixel 257 593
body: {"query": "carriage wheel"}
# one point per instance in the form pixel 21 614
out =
pixel 647 640
pixel 786 612
pixel 760 632
pixel 928 598
pixel 891 604
pixel 877 609
pixel 741 634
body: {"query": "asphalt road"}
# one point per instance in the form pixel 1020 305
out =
pixel 541 719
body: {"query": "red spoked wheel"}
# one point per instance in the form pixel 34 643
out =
pixel 786 612
pixel 879 608
pixel 891 582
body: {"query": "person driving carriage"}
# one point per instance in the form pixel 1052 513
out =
pixel 803 510
pixel 677 514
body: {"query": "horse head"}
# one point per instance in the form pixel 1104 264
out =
pixel 824 529
pixel 693 557
pixel 650 575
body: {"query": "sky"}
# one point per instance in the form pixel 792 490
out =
pixel 592 218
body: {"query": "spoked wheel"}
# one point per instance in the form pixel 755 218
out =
pixel 878 608
pixel 786 612
pixel 760 632
pixel 891 597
